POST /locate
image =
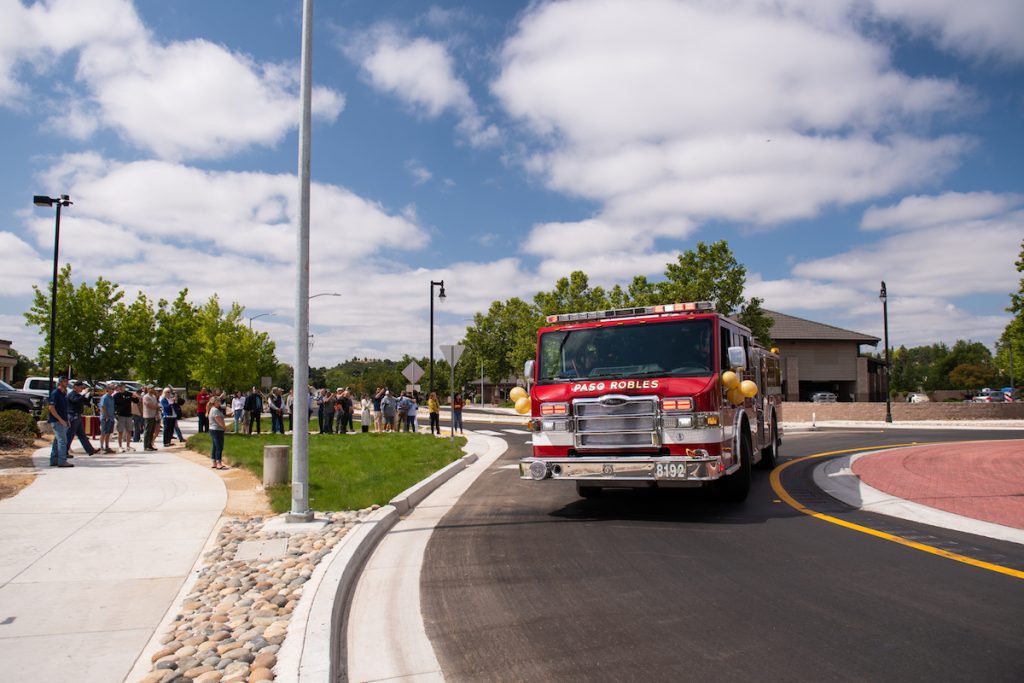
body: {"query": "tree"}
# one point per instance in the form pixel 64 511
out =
pixel 711 273
pixel 1011 342
pixel 174 340
pixel 225 352
pixel 86 326
pixel 972 376
pixel 24 367
pixel 135 339
pixel 571 294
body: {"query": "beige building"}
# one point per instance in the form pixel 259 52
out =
pixel 7 362
pixel 818 357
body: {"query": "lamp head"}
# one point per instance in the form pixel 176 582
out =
pixel 42 200
pixel 882 296
pixel 441 294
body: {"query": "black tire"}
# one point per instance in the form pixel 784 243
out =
pixel 770 453
pixel 589 491
pixel 735 487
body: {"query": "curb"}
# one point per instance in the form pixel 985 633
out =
pixel 836 478
pixel 313 642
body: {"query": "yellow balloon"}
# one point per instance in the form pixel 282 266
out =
pixel 735 396
pixel 517 393
pixel 730 379
pixel 748 388
pixel 523 405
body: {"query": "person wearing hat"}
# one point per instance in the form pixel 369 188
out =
pixel 123 417
pixel 57 407
pixel 78 401
pixel 106 408
pixel 150 413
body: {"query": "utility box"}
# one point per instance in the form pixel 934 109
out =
pixel 275 465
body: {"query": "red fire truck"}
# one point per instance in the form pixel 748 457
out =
pixel 658 396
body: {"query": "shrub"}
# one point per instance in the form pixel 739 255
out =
pixel 17 427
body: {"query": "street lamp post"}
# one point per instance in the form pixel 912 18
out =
pixel 43 200
pixel 300 511
pixel 441 298
pixel 884 297
pixel 255 317
pixel 324 294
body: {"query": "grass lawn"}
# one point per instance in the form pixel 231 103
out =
pixel 346 472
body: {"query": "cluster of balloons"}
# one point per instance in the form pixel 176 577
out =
pixel 737 391
pixel 521 399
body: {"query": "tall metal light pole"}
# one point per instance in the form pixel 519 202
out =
pixel 884 297
pixel 300 511
pixel 441 298
pixel 256 317
pixel 43 200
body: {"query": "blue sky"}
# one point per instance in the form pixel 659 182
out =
pixel 499 146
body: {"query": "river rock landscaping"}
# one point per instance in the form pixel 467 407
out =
pixel 231 624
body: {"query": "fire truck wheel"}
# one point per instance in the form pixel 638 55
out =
pixel 589 491
pixel 770 453
pixel 735 487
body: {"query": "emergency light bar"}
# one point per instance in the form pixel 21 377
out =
pixel 690 307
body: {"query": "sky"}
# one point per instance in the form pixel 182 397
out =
pixel 499 146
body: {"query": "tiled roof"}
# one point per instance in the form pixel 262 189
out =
pixel 791 328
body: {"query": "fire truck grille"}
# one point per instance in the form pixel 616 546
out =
pixel 612 422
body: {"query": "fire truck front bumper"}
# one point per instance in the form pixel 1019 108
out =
pixel 627 471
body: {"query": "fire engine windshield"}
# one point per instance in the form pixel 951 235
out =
pixel 681 348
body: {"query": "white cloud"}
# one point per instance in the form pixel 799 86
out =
pixel 420 174
pixel 952 207
pixel 420 72
pixel 943 249
pixel 185 99
pixel 981 28
pixel 748 111
pixel 23 339
pixel 22 265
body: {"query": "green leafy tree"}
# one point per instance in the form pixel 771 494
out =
pixel 1011 342
pixel 709 273
pixel 174 341
pixel 24 367
pixel 571 294
pixel 86 326
pixel 712 273
pixel 135 339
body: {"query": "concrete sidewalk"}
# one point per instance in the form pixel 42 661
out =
pixel 94 556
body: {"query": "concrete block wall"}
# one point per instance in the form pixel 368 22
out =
pixel 801 412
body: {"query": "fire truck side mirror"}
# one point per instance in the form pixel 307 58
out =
pixel 737 358
pixel 528 370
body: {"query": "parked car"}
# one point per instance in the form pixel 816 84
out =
pixel 823 397
pixel 990 396
pixel 917 397
pixel 15 399
pixel 40 386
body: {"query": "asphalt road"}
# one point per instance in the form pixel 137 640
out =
pixel 525 581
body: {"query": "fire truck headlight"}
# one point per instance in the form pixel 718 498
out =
pixel 554 425
pixel 538 470
pixel 685 422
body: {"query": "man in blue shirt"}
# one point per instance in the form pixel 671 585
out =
pixel 58 418
pixel 107 418
pixel 78 401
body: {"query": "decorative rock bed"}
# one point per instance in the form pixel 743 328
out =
pixel 232 623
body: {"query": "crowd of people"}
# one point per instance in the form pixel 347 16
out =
pixel 147 413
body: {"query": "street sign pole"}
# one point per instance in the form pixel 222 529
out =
pixel 452 353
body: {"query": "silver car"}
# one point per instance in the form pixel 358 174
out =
pixel 823 397
pixel 990 396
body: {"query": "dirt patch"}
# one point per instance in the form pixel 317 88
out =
pixel 246 497
pixel 16 469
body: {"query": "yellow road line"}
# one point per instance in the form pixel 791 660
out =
pixel 776 479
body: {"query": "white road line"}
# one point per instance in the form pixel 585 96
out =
pixel 515 431
pixel 487 432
